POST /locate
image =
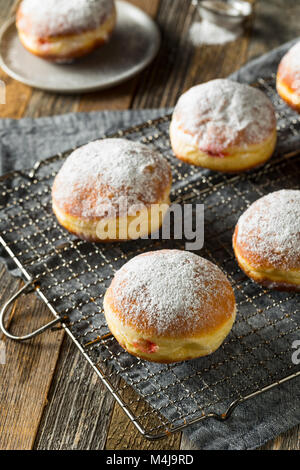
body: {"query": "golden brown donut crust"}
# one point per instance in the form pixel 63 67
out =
pixel 112 183
pixel 64 27
pixel 87 178
pixel 260 276
pixel 169 306
pixel 266 241
pixel 67 41
pixel 234 162
pixel 223 126
pixel 288 78
pixel 66 56
pixel 218 310
pixel 88 229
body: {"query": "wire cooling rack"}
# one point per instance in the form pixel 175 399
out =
pixel 71 276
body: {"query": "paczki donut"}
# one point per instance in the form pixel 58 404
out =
pixel 169 306
pixel 111 190
pixel 61 30
pixel 288 77
pixel 223 125
pixel 266 240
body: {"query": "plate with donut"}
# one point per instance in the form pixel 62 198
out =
pixel 77 48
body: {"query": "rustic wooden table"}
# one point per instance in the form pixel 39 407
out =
pixel 49 396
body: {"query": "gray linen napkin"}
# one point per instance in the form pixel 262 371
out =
pixel 24 142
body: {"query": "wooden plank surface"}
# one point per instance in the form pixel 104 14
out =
pixel 27 374
pixel 49 397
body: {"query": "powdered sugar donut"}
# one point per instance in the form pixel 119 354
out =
pixel 223 125
pixel 288 77
pixel 169 306
pixel 111 190
pixel 61 30
pixel 266 240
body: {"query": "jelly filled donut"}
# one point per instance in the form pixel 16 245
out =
pixel 169 306
pixel 61 30
pixel 288 77
pixel 224 126
pixel 266 240
pixel 112 189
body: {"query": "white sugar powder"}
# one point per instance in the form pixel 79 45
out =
pixel 271 228
pixel 222 113
pixel 171 291
pixel 107 173
pixel 205 32
pixel 50 17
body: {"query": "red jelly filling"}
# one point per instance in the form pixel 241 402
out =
pixel 216 154
pixel 146 346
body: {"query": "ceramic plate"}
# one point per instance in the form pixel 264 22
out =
pixel 133 45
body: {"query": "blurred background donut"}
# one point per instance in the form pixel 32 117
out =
pixel 288 77
pixel 61 30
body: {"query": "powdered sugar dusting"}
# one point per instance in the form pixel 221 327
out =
pixel 270 229
pixel 291 66
pixel 220 114
pixel 205 32
pixel 171 292
pixel 111 176
pixel 54 17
